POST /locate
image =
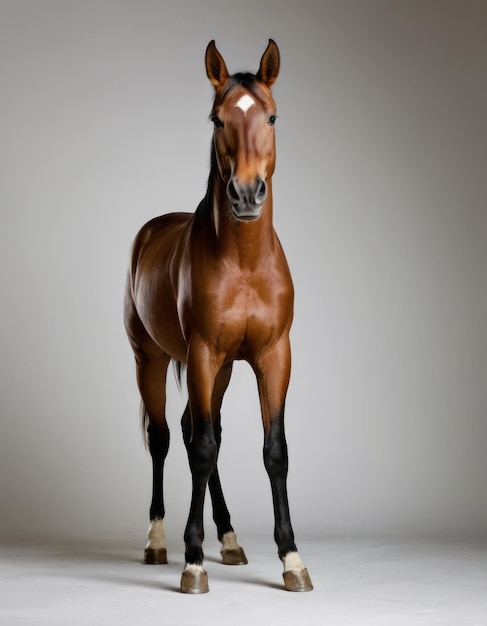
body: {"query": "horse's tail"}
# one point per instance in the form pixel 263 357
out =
pixel 144 416
pixel 178 373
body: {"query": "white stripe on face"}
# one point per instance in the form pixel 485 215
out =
pixel 245 103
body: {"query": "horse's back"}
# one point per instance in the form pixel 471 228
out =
pixel 162 232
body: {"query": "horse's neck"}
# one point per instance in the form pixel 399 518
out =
pixel 247 242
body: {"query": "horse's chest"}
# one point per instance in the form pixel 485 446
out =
pixel 247 315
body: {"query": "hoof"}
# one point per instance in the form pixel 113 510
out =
pixel 194 581
pixel 234 556
pixel 297 580
pixel 155 556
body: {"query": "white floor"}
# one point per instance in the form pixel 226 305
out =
pixel 359 581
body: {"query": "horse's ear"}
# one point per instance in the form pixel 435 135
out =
pixel 269 64
pixel 215 66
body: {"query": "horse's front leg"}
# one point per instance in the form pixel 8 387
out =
pixel 273 371
pixel 201 445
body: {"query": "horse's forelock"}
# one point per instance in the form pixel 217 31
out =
pixel 242 79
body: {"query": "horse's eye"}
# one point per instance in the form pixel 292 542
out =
pixel 217 121
pixel 272 120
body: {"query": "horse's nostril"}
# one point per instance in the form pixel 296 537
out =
pixel 261 190
pixel 232 192
pixel 252 194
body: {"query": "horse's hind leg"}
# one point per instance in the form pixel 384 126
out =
pixel 232 553
pixel 151 378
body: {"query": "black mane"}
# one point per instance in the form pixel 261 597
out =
pixel 203 211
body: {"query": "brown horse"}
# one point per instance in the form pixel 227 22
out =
pixel 205 289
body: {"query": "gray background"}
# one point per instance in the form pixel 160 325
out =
pixel 380 201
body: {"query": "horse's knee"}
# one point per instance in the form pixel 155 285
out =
pixel 276 456
pixel 203 451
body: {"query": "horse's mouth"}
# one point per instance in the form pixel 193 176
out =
pixel 249 214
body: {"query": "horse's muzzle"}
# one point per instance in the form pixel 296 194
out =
pixel 247 199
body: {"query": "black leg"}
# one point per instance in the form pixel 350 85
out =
pixel 221 515
pixel 273 370
pixel 158 440
pixel 202 453
pixel 152 366
pixel 232 553
pixel 276 464
pixel 296 577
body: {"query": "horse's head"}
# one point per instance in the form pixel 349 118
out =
pixel 244 114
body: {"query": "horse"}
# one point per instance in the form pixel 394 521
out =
pixel 208 288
